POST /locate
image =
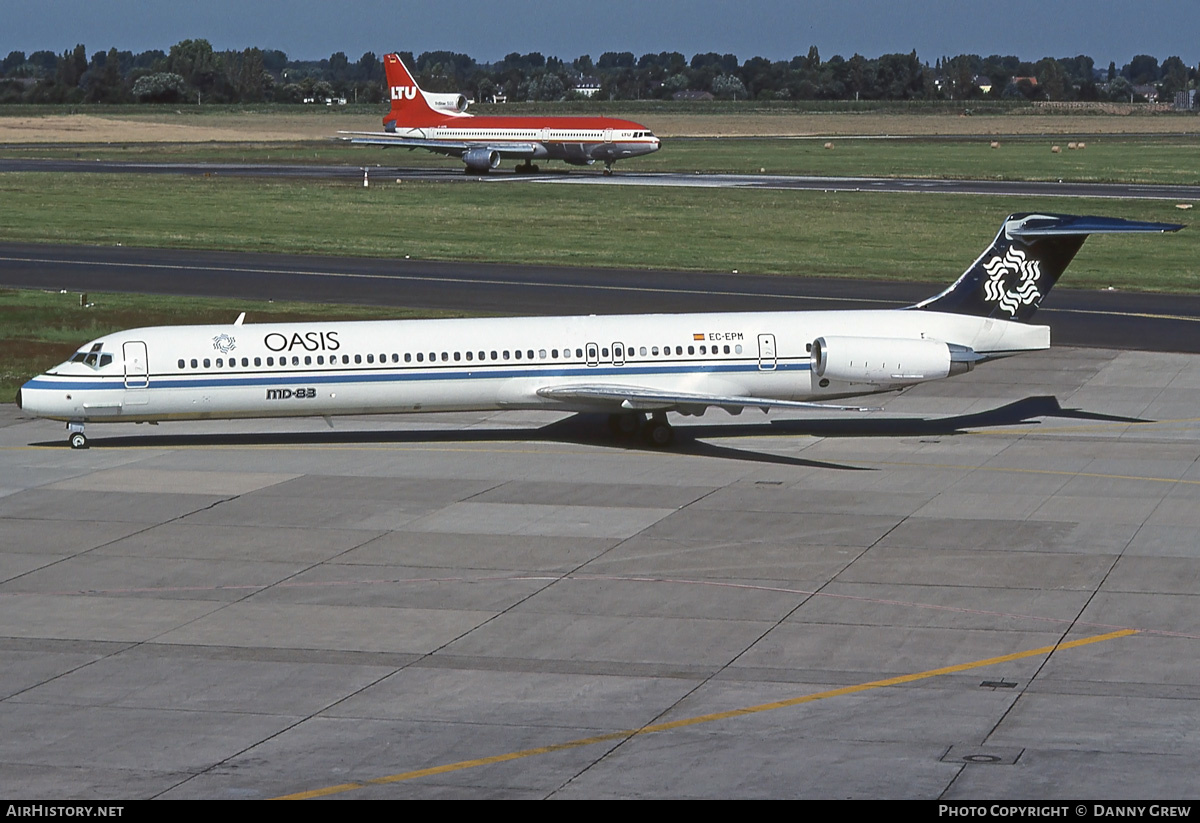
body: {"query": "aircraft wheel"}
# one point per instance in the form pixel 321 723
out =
pixel 78 441
pixel 659 434
pixel 625 425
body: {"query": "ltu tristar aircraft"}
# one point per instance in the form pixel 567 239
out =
pixel 439 122
pixel 626 366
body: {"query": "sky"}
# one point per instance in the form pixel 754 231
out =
pixel 1106 30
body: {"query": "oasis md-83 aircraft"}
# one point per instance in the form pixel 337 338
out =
pixel 440 123
pixel 626 366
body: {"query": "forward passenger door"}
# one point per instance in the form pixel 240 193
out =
pixel 766 352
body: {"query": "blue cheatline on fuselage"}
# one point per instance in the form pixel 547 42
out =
pixel 275 378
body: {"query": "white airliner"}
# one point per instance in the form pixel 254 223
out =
pixel 627 366
pixel 439 123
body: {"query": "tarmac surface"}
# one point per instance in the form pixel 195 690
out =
pixel 987 590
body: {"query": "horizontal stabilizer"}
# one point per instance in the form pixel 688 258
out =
pixel 1059 225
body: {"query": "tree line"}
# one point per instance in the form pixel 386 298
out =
pixel 192 71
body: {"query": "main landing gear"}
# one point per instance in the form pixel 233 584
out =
pixel 656 431
pixel 608 168
pixel 526 168
pixel 76 437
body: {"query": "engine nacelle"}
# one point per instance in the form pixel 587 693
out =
pixel 451 103
pixel 481 159
pixel 886 361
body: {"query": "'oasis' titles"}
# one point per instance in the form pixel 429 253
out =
pixel 309 341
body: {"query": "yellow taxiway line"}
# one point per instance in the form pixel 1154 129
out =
pixel 694 721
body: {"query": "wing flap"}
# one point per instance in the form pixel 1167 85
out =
pixel 638 398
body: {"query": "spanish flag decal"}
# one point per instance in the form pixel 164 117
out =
pixel 697 337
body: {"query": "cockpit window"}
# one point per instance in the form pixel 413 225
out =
pixel 93 357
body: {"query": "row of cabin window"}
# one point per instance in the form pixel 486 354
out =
pixel 533 134
pixel 419 357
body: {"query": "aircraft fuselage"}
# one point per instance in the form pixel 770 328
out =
pixel 319 369
pixel 571 139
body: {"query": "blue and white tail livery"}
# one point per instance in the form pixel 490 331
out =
pixel 1030 253
pixel 635 368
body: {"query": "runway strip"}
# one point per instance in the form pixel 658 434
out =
pixel 451 173
pixel 1181 194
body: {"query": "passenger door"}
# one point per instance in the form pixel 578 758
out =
pixel 766 352
pixel 137 373
pixel 137 369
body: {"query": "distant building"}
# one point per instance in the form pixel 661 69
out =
pixel 587 86
pixel 1185 100
pixel 979 81
pixel 1147 91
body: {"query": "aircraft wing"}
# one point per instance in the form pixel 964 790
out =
pixel 453 148
pixel 637 398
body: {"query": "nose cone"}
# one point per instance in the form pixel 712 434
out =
pixel 29 398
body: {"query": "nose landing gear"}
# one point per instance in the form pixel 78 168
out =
pixel 76 437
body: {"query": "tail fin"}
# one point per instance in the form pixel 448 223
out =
pixel 1009 280
pixel 409 106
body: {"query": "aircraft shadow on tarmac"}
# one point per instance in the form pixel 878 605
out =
pixel 591 430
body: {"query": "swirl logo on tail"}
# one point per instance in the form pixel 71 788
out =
pixel 1012 281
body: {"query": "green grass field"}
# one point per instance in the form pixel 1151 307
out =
pixel 897 236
